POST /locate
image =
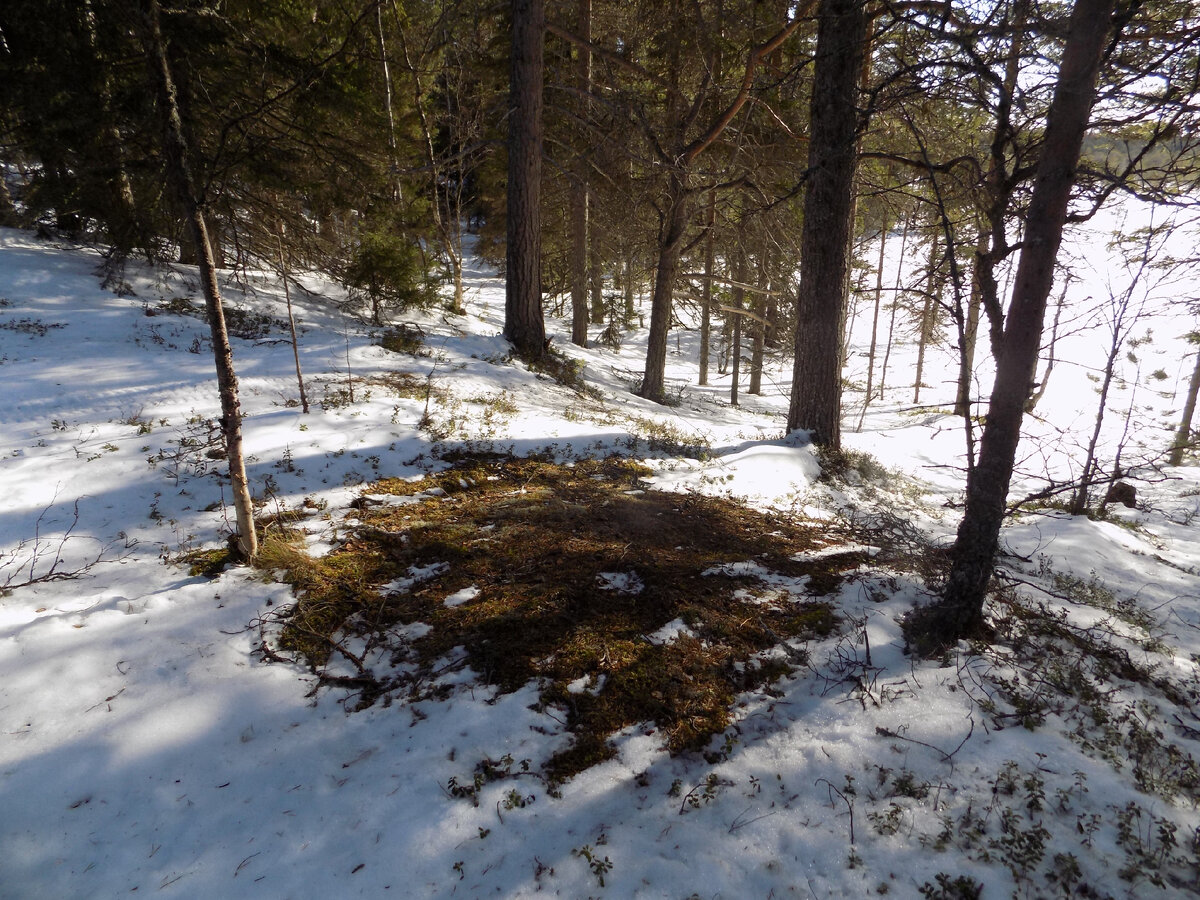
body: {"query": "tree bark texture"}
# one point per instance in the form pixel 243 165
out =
pixel 524 323
pixel 735 346
pixel 669 246
pixel 579 193
pixel 579 260
pixel 757 328
pixel 706 288
pixel 816 397
pixel 961 609
pixel 176 156
pixel 596 282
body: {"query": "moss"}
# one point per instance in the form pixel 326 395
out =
pixel 207 563
pixel 532 538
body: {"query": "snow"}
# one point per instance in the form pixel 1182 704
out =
pixel 145 744
pixel 620 582
pixel 458 598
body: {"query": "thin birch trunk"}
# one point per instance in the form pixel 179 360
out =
pixel 176 155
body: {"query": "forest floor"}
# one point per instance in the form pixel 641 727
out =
pixel 521 633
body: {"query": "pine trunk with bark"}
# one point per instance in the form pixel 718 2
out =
pixel 735 344
pixel 579 190
pixel 669 247
pixel 596 282
pixel 176 156
pixel 758 308
pixel 524 323
pixel 816 394
pixel 960 611
pixel 706 289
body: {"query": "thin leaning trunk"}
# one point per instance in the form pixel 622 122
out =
pixel 874 327
pixel 176 159
pixel 887 350
pixel 1040 390
pixel 970 334
pixel 1079 501
pixel 960 612
pixel 678 193
pixel 287 296
pixel 932 286
pixel 1183 436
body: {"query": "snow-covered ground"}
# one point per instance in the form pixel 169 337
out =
pixel 146 747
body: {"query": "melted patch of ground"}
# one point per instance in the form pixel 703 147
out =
pixel 625 605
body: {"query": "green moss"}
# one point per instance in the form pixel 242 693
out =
pixel 207 563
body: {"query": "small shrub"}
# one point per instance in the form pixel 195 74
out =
pixel 961 887
pixel 559 367
pixel 34 327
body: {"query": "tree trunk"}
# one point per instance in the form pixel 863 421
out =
pixel 675 212
pixel 735 345
pixel 123 226
pixel 757 330
pixel 669 245
pixel 1183 437
pixel 524 324
pixel 967 340
pixel 447 223
pixel 933 289
pixel 1040 389
pixel 393 156
pixel 176 157
pixel 579 192
pixel 706 288
pixel 816 395
pixel 579 258
pixel 287 295
pixel 960 611
pixel 595 282
pixel 630 288
pixel 887 350
pixel 1079 502
pixel 874 325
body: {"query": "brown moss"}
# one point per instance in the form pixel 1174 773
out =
pixel 532 537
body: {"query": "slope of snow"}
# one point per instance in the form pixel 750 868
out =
pixel 146 747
